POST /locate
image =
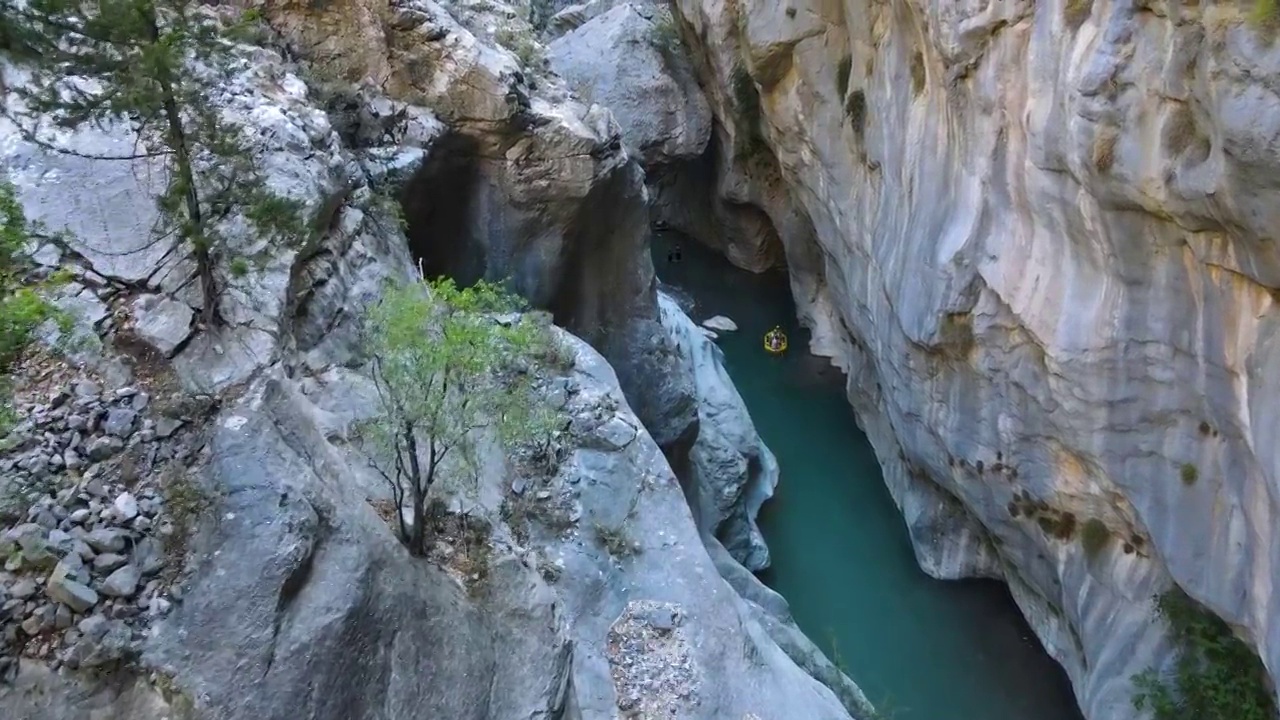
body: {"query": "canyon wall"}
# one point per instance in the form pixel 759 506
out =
pixel 1039 236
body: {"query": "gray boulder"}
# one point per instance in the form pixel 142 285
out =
pixel 123 582
pixel 646 81
pixel 77 596
pixel 732 471
pixel 162 322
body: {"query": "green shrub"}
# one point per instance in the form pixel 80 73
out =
pixel 1266 13
pixel 21 308
pixel 1094 537
pixel 1189 474
pixel 520 41
pixel 1215 677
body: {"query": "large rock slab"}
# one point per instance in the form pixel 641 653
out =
pixel 731 470
pixel 647 82
pixel 306 600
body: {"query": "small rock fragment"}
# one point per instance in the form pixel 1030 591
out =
pixel 123 582
pixel 108 562
pixel 77 596
pixel 23 589
pixel 105 540
pixel 104 447
pixel 126 506
pixel 120 422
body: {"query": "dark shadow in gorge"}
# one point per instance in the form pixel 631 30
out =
pixel 438 205
pixel 584 257
pixel 686 197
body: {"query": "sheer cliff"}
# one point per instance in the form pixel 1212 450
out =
pixel 1039 236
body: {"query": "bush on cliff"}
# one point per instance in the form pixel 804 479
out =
pixel 21 308
pixel 449 362
pixel 1215 676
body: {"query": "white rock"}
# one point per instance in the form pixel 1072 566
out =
pixel 125 506
pixel 720 323
pixel 123 582
pixel 663 114
pixel 162 322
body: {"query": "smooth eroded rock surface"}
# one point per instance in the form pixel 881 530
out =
pixel 1039 238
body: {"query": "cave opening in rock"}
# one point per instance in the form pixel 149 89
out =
pixel 686 198
pixel 440 211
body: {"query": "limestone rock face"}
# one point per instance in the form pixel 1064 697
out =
pixel 295 598
pixel 521 183
pixel 732 470
pixel 1038 236
pixel 299 596
pixel 615 59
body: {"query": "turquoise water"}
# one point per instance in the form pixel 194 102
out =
pixel 921 649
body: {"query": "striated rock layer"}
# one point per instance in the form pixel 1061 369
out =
pixel 1039 236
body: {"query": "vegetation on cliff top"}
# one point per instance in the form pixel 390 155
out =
pixel 22 309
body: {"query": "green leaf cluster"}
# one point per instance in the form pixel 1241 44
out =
pixel 1215 676
pixel 449 361
pixel 157 66
pixel 21 308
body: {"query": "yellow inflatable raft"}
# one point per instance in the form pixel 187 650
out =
pixel 775 341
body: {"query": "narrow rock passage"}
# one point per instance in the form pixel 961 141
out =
pixel 921 649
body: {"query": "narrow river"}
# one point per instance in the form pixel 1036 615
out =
pixel 921 649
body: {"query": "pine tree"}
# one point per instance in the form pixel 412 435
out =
pixel 154 65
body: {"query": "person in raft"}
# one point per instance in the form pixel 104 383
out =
pixel 774 339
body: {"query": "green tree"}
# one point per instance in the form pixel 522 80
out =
pixel 21 308
pixel 447 362
pixel 154 65
pixel 1215 676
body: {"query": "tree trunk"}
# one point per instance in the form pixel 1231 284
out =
pixel 417 543
pixel 194 231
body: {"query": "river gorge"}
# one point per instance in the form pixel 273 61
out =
pixel 1023 250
